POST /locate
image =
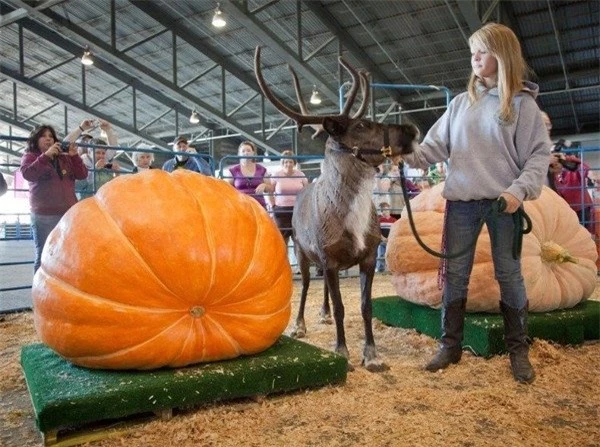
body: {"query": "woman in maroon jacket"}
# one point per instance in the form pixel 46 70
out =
pixel 51 173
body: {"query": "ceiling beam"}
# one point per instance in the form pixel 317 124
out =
pixel 11 121
pixel 68 38
pixel 348 42
pixel 469 13
pixel 269 39
pixel 188 35
pixel 73 38
pixel 329 21
pixel 563 65
pixel 23 10
pixel 490 10
pixel 46 91
pixel 151 83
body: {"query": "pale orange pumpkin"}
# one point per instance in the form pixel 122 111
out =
pixel 558 257
pixel 162 269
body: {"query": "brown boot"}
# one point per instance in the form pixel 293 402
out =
pixel 517 342
pixel 450 350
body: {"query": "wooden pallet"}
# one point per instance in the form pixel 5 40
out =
pixel 73 405
pixel 484 332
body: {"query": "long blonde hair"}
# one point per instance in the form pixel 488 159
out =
pixel 502 43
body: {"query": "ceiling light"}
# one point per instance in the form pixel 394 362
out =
pixel 194 117
pixel 316 96
pixel 218 20
pixel 88 57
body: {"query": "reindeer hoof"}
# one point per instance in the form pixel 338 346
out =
pixel 326 319
pixel 298 333
pixel 374 365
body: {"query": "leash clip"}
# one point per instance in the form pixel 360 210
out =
pixel 355 151
pixel 386 151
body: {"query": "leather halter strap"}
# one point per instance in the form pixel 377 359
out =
pixel 358 152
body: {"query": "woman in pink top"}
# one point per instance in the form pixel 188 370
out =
pixel 285 185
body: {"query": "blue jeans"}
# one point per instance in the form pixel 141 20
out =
pixel 462 223
pixel 380 266
pixel 41 225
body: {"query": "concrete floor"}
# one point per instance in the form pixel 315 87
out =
pixel 16 275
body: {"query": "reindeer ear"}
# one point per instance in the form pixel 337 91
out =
pixel 335 126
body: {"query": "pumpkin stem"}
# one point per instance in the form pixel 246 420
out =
pixel 554 253
pixel 197 311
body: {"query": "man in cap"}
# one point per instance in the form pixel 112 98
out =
pixel 183 161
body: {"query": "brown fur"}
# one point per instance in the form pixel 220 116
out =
pixel 334 221
pixel 326 220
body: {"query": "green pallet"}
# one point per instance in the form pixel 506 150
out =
pixel 68 396
pixel 483 332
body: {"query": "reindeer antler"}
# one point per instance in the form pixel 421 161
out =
pixel 318 128
pixel 303 118
pixel 364 88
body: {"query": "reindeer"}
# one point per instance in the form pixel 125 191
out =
pixel 334 220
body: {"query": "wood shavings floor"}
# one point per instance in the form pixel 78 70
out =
pixel 474 403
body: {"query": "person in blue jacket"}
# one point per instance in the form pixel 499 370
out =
pixel 181 161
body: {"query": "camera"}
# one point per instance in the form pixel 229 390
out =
pixel 64 146
pixel 560 145
pixel 108 165
pixel 567 164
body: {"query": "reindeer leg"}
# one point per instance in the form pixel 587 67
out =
pixel 370 360
pixel 325 309
pixel 333 284
pixel 299 330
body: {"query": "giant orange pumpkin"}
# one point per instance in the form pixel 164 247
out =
pixel 162 269
pixel 558 258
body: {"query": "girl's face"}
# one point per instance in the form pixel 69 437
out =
pixel 45 140
pixel 245 149
pixel 485 66
pixel 144 160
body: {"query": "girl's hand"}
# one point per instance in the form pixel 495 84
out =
pixel 512 203
pixel 100 163
pixel 53 150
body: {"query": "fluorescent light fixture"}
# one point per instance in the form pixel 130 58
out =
pixel 88 57
pixel 194 117
pixel 316 96
pixel 218 20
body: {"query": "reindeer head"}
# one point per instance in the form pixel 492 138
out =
pixel 370 141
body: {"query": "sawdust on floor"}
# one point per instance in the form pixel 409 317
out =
pixel 473 403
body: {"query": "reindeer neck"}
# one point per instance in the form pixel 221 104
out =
pixel 344 177
pixel 341 167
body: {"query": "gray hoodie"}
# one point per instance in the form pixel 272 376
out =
pixel 487 157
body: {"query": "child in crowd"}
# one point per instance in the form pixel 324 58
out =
pixel 385 224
